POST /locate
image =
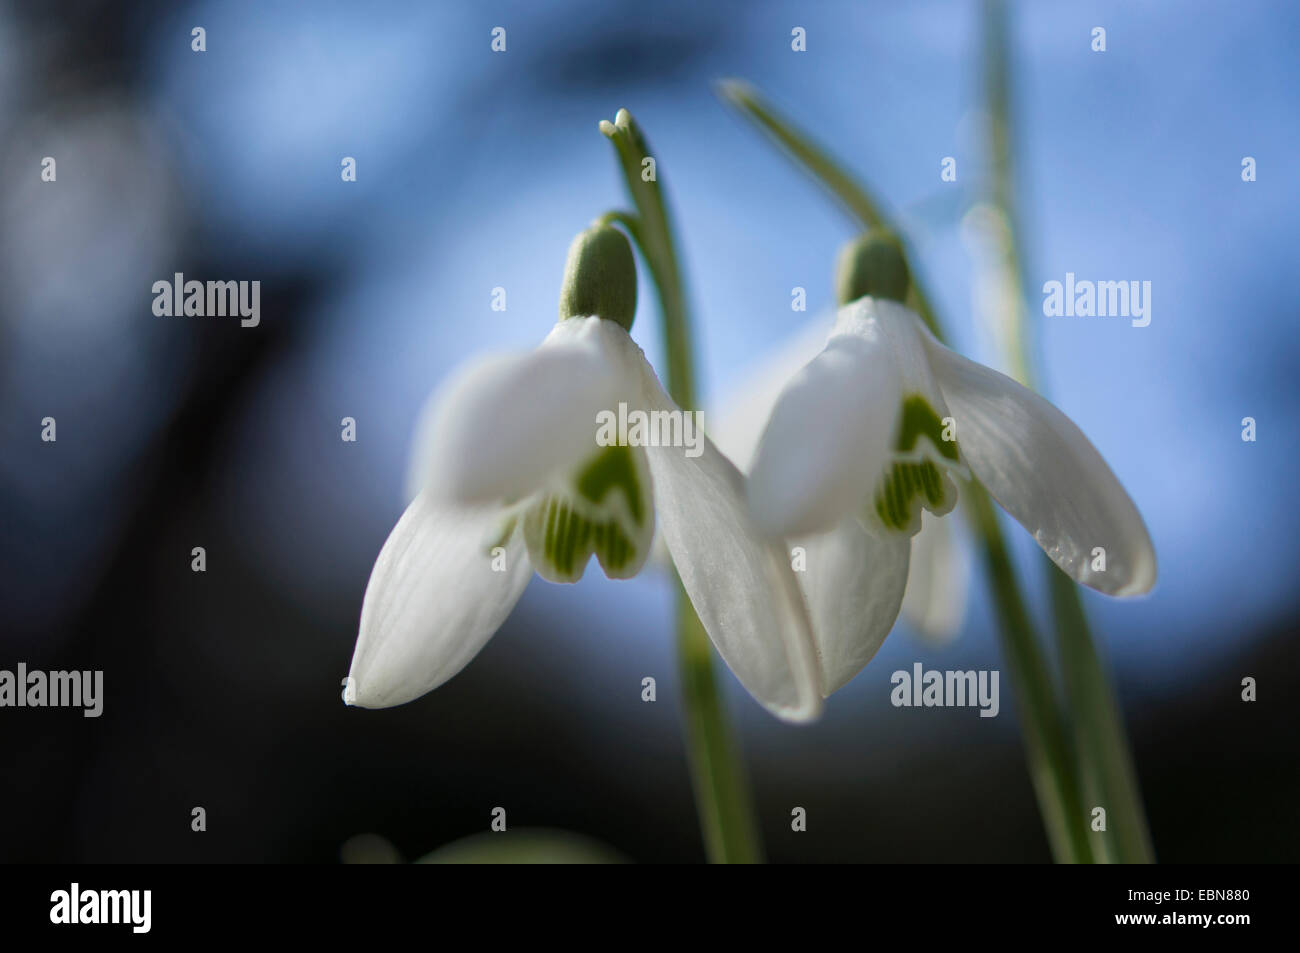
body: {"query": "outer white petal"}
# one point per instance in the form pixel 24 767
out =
pixel 740 582
pixel 433 601
pixel 736 427
pixel 504 426
pixel 853 583
pixel 829 436
pixel 938 585
pixel 1046 474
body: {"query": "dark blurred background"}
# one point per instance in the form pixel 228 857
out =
pixel 474 170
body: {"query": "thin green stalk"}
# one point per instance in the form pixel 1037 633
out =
pixel 721 787
pixel 722 793
pixel 1047 754
pixel 852 196
pixel 998 96
pixel 1109 777
pixel 824 170
pixel 1047 751
pixel 654 236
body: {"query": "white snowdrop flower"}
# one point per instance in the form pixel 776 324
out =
pixel 516 480
pixel 874 429
pixel 938 581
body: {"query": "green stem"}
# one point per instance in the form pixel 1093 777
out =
pixel 1047 754
pixel 654 236
pixel 1047 751
pixel 998 95
pixel 853 198
pixel 1109 778
pixel 824 170
pixel 1109 775
pixel 721 788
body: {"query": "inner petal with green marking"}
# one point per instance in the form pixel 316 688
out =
pixel 606 510
pixel 918 477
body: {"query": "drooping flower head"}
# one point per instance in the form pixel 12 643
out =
pixel 938 577
pixel 515 477
pixel 887 422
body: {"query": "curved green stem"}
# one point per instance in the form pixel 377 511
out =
pixel 653 234
pixel 721 788
pixel 852 196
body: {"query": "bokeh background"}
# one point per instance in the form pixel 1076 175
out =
pixel 474 171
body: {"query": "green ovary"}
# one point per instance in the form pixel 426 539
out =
pixel 909 485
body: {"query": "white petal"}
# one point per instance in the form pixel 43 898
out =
pixel 938 584
pixel 853 583
pixel 1046 474
pixel 740 583
pixel 434 599
pixel 829 436
pixel 504 426
pixel 896 328
pixel 736 426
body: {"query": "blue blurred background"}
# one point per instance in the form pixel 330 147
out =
pixel 474 170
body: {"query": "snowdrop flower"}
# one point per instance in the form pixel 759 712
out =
pixel 515 480
pixel 873 431
pixel 938 581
